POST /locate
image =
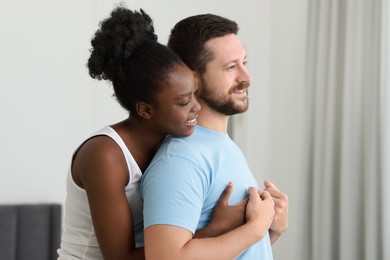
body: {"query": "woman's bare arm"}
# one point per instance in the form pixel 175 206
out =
pixel 100 168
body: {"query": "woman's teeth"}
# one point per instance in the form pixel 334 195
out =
pixel 192 121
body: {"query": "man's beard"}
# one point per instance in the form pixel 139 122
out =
pixel 224 104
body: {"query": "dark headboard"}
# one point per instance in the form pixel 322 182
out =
pixel 30 231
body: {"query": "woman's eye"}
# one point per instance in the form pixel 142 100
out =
pixel 184 104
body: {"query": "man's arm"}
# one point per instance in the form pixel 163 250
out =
pixel 280 222
pixel 172 242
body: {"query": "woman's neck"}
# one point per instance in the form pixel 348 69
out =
pixel 140 140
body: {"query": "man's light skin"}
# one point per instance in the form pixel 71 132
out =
pixel 230 61
pixel 225 71
pixel 223 74
pixel 280 222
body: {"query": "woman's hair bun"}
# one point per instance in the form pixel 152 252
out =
pixel 118 37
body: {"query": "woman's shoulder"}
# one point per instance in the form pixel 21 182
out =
pixel 99 157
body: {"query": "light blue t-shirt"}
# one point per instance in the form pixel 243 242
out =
pixel 186 178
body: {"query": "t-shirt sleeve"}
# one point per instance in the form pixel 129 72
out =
pixel 173 189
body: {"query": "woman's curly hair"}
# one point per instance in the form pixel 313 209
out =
pixel 125 51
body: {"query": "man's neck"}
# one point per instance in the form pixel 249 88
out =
pixel 212 120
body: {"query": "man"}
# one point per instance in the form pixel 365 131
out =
pixel 187 176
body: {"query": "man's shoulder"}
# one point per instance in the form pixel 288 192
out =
pixel 178 147
pixel 183 144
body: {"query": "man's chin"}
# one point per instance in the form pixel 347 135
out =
pixel 242 107
pixel 236 110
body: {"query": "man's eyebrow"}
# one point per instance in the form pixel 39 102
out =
pixel 236 60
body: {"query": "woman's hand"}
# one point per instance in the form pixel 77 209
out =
pixel 225 217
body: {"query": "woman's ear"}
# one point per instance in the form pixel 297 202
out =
pixel 144 110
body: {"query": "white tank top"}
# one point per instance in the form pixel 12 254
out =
pixel 78 238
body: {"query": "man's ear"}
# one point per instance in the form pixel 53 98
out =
pixel 197 78
pixel 144 110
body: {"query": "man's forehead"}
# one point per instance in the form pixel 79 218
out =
pixel 226 48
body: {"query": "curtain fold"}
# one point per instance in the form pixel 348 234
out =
pixel 385 121
pixel 345 132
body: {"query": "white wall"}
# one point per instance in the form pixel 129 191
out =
pixel 271 132
pixel 49 104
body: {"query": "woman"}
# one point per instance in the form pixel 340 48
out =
pixel 103 208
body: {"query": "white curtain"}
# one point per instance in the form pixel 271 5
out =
pixel 385 106
pixel 347 213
